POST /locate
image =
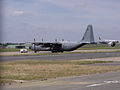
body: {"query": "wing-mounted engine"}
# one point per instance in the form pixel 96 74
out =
pixel 47 46
pixel 112 44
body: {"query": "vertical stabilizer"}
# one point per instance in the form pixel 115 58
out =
pixel 88 36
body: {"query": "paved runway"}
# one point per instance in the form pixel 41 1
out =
pixel 106 81
pixel 62 56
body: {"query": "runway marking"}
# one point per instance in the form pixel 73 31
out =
pixel 93 85
pixel 111 81
pixel 44 84
pixel 105 82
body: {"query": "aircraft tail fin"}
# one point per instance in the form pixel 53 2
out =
pixel 89 35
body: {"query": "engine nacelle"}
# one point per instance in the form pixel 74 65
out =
pixel 112 44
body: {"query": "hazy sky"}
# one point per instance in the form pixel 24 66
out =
pixel 24 20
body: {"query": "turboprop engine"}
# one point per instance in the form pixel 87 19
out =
pixel 112 44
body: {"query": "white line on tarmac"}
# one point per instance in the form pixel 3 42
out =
pixel 93 85
pixel 105 82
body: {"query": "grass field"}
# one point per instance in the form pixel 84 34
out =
pixel 98 46
pixel 9 50
pixel 42 70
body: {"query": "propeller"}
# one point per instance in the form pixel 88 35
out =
pixel 100 38
pixel 34 40
pixel 42 39
pixel 55 40
pixel 62 40
pixel 34 46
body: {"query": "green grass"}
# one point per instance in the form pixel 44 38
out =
pixel 40 70
pixel 98 46
pixel 42 62
pixel 9 50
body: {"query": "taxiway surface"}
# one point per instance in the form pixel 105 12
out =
pixel 106 81
pixel 62 56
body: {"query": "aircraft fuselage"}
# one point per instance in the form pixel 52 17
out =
pixel 62 46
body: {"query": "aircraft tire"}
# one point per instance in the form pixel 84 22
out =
pixel 35 51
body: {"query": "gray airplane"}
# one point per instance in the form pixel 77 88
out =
pixel 62 46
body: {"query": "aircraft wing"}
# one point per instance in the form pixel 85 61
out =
pixel 47 44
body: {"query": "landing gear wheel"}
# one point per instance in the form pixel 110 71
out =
pixel 54 51
pixel 35 51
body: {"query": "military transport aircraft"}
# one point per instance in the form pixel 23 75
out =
pixel 111 43
pixel 62 46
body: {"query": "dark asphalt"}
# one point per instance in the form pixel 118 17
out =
pixel 62 56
